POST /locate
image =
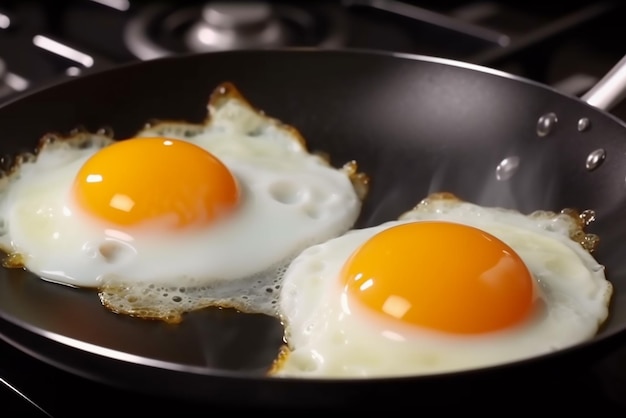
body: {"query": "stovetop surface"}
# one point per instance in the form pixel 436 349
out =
pixel 568 46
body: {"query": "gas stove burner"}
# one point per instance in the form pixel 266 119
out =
pixel 217 26
pixel 237 26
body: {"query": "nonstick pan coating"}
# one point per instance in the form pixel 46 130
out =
pixel 415 124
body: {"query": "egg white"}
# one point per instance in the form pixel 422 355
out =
pixel 326 338
pixel 290 199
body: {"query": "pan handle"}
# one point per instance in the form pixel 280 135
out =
pixel 611 88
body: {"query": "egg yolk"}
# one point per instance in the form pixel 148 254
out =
pixel 143 179
pixel 440 275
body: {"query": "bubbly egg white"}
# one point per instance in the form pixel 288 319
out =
pixel 327 339
pixel 290 199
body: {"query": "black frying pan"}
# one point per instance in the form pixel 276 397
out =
pixel 416 125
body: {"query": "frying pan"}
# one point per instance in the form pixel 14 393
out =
pixel 416 125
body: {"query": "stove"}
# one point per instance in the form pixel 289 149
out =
pixel 568 46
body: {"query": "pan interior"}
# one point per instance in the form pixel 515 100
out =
pixel 415 125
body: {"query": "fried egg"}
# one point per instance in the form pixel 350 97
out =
pixel 449 286
pixel 179 217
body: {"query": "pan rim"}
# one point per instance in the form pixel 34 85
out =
pixel 308 50
pixel 90 73
pixel 109 354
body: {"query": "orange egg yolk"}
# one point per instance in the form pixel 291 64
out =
pixel 440 275
pixel 144 179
